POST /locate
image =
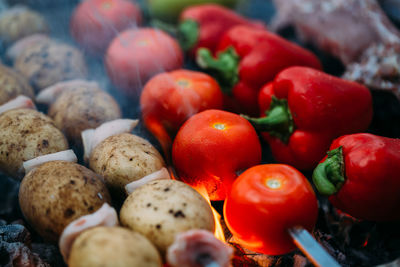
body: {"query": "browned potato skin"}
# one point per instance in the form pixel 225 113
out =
pixel 161 209
pixel 58 192
pixel 113 247
pixel 124 158
pixel 26 134
pixel 16 25
pixel 47 63
pixel 13 84
pixel 83 108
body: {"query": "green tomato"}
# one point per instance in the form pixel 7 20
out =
pixel 169 10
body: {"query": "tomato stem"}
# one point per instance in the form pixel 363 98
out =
pixel 224 68
pixel 188 34
pixel 278 122
pixel 328 176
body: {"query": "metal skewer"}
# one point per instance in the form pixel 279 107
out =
pixel 311 248
pixel 206 261
pixel 212 264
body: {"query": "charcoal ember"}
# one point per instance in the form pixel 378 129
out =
pixel 248 258
pixel 15 249
pixel 18 254
pixel 354 242
pixel 300 261
pixel 9 205
pixel 331 246
pixel 240 258
pixel 378 68
pixel 15 233
pixel 19 221
pixel 326 24
pixel 392 9
pixel 48 253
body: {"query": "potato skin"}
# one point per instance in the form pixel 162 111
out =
pixel 124 158
pixel 161 209
pixel 58 192
pixel 83 108
pixel 13 84
pixel 114 247
pixel 26 134
pixel 46 63
pixel 19 22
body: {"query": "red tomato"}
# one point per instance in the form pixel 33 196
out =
pixel 211 147
pixel 169 99
pixel 95 23
pixel 267 200
pixel 136 55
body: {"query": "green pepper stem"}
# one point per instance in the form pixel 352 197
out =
pixel 278 122
pixel 328 176
pixel 188 34
pixel 224 68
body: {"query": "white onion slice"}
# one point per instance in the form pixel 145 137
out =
pixel 198 247
pixel 50 94
pixel 158 175
pixel 105 216
pixel 20 101
pixel 66 155
pixel 104 131
pixel 87 137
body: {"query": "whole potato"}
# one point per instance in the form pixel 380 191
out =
pixel 161 209
pixel 113 246
pixel 26 134
pixel 124 158
pixel 13 84
pixel 83 108
pixel 58 192
pixel 18 22
pixel 46 63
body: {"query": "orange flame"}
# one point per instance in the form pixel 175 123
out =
pixel 172 173
pixel 219 232
pixel 161 134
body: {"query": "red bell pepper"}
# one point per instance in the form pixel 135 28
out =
pixel 247 59
pixel 306 110
pixel 362 175
pixel 203 26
